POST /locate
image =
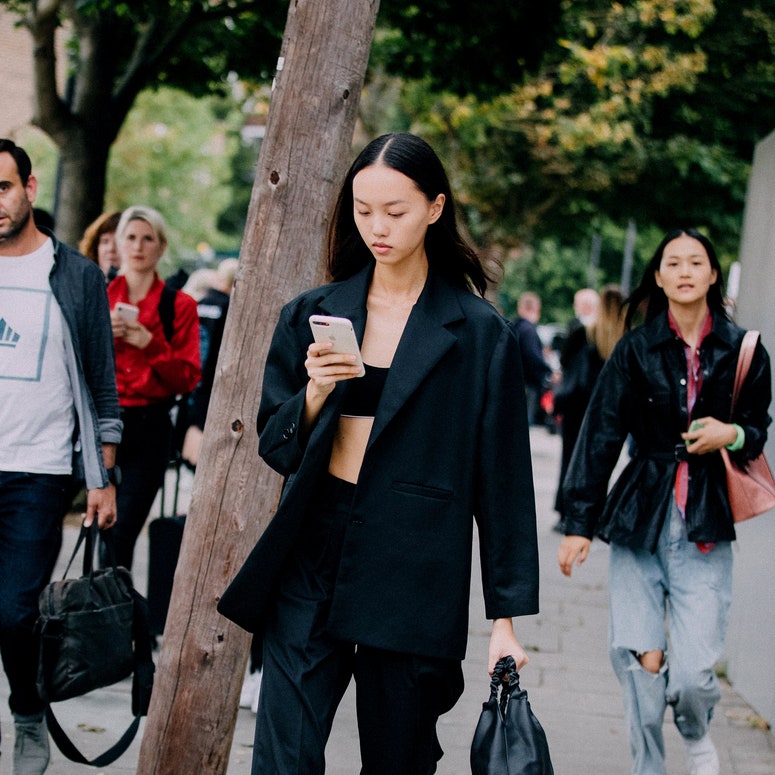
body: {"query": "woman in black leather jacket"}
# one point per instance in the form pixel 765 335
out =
pixel 667 518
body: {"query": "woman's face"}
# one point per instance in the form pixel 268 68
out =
pixel 392 215
pixel 107 253
pixel 685 273
pixel 140 247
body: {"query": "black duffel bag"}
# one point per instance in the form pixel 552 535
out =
pixel 94 632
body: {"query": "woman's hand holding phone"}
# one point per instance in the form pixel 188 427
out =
pixel 325 367
pixel 123 320
pixel 334 355
pixel 707 434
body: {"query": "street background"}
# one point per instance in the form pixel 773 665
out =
pixel 570 683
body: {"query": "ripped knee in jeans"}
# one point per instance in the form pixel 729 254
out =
pixel 651 661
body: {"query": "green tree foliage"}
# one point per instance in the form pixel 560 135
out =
pixel 468 48
pixel 557 122
pixel 174 153
pixel 647 110
pixel 119 49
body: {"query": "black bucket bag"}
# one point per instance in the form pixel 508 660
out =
pixel 509 739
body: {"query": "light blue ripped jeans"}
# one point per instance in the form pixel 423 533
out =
pixel 676 600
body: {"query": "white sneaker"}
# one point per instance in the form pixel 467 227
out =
pixel 250 687
pixel 703 758
pixel 30 749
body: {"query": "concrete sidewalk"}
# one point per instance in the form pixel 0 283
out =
pixel 570 682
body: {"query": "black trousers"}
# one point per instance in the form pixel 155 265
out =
pixel 399 697
pixel 143 455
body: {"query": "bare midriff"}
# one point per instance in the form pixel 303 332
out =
pixel 350 442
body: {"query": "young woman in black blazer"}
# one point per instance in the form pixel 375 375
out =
pixel 365 569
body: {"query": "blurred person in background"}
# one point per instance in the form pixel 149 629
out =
pixel 157 359
pixel 536 371
pixel 586 349
pixel 199 282
pixel 586 303
pixel 212 309
pixel 99 244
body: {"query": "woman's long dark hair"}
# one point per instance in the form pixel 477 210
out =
pixel 448 253
pixel 650 295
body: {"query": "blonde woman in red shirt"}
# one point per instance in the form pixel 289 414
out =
pixel 156 334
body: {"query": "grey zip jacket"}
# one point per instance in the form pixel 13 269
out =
pixel 78 286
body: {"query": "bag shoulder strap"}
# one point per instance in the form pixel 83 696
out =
pixel 67 747
pixel 167 311
pixel 743 364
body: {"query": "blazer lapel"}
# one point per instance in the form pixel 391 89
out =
pixel 424 342
pixel 348 300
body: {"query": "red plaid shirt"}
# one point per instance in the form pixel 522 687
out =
pixel 693 386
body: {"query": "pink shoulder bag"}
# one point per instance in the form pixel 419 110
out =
pixel 751 488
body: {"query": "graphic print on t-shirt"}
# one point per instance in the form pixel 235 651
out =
pixel 8 337
pixel 24 322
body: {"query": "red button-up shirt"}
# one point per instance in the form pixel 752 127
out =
pixel 163 369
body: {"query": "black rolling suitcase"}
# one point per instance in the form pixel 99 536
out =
pixel 165 534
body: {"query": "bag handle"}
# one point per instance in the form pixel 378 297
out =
pixel 505 677
pixel 81 536
pixel 743 365
pixel 92 535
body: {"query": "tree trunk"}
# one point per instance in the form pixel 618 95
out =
pixel 303 159
pixel 80 184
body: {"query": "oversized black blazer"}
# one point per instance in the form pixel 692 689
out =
pixel 449 444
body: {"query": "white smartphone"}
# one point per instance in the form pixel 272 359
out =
pixel 341 334
pixel 127 312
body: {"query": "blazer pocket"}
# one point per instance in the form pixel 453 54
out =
pixel 422 491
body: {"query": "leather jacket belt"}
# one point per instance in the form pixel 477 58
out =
pixel 678 453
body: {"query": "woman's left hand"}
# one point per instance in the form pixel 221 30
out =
pixel 503 643
pixel 713 435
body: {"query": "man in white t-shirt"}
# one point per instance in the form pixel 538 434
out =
pixel 59 425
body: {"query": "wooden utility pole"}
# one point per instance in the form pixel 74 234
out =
pixel 303 159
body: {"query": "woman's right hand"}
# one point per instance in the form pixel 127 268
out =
pixel 134 333
pixel 326 368
pixel 572 549
pixel 118 324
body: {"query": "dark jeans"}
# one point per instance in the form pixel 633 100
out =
pixel 32 507
pixel 399 697
pixel 143 455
